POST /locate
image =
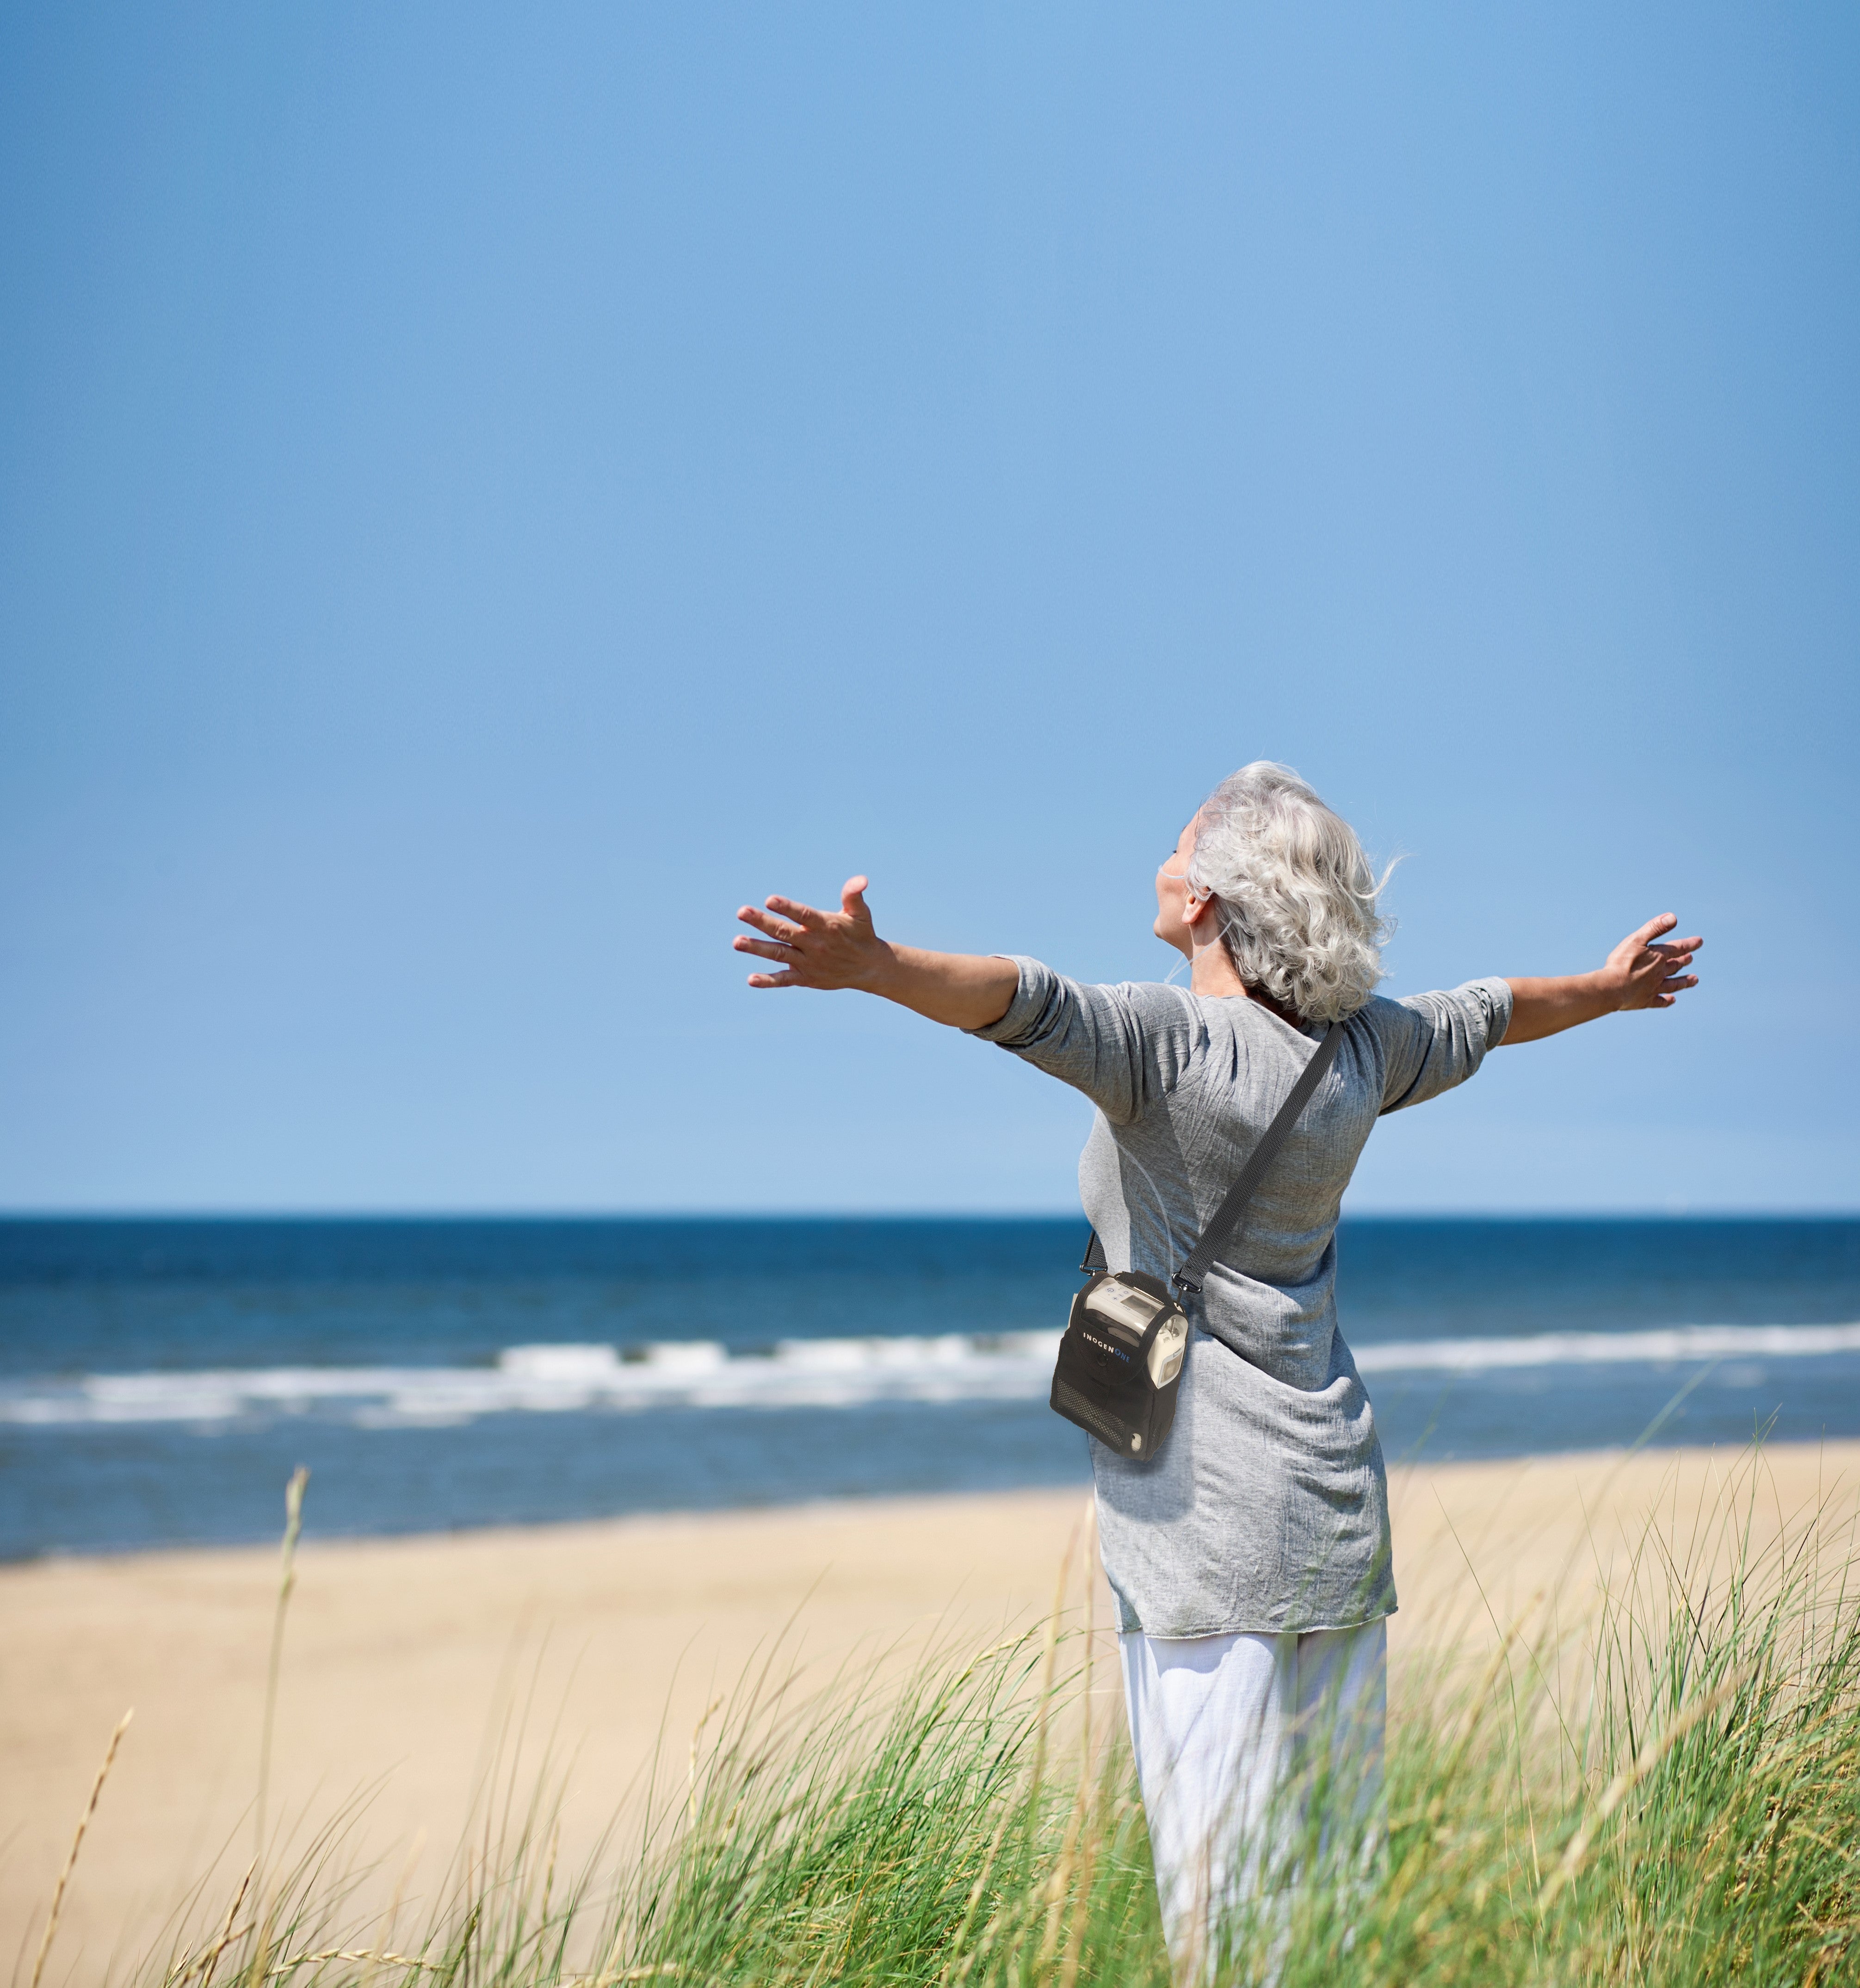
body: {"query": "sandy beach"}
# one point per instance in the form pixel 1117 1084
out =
pixel 405 1659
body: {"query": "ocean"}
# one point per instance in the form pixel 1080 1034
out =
pixel 160 1379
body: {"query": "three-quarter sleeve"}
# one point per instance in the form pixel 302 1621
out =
pixel 1431 1042
pixel 1123 1047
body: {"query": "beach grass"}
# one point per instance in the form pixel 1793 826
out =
pixel 1667 1791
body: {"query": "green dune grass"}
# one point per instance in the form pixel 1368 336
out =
pixel 1670 1794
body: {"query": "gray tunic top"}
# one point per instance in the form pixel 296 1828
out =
pixel 1267 1510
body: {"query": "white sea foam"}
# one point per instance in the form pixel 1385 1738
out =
pixel 819 1373
pixel 1662 1347
pixel 801 1373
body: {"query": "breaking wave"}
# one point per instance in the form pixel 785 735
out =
pixel 799 1373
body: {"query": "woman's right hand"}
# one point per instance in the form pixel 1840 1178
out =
pixel 1646 970
pixel 829 949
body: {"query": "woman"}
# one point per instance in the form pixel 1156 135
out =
pixel 1250 1559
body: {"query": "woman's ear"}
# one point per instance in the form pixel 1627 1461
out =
pixel 1194 908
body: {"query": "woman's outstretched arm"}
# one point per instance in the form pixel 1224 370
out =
pixel 840 949
pixel 1639 973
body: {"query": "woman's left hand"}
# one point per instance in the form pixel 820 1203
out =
pixel 819 948
pixel 831 949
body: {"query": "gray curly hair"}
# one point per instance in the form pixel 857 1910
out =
pixel 1295 896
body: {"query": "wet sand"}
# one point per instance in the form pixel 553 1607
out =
pixel 405 1659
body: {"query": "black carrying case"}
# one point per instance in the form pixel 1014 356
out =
pixel 1116 1379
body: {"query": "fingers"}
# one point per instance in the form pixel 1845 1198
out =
pixel 1662 995
pixel 762 948
pixel 775 928
pixel 1654 927
pixel 775 980
pixel 804 915
pixel 851 902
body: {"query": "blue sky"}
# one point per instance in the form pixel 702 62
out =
pixel 484 491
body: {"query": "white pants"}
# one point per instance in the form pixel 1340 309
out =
pixel 1233 1735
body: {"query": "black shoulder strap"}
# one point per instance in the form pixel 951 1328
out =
pixel 1220 1231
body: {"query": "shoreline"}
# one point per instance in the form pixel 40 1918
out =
pixel 314 1539
pixel 405 1656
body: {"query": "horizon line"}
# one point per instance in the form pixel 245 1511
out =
pixel 1689 1211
